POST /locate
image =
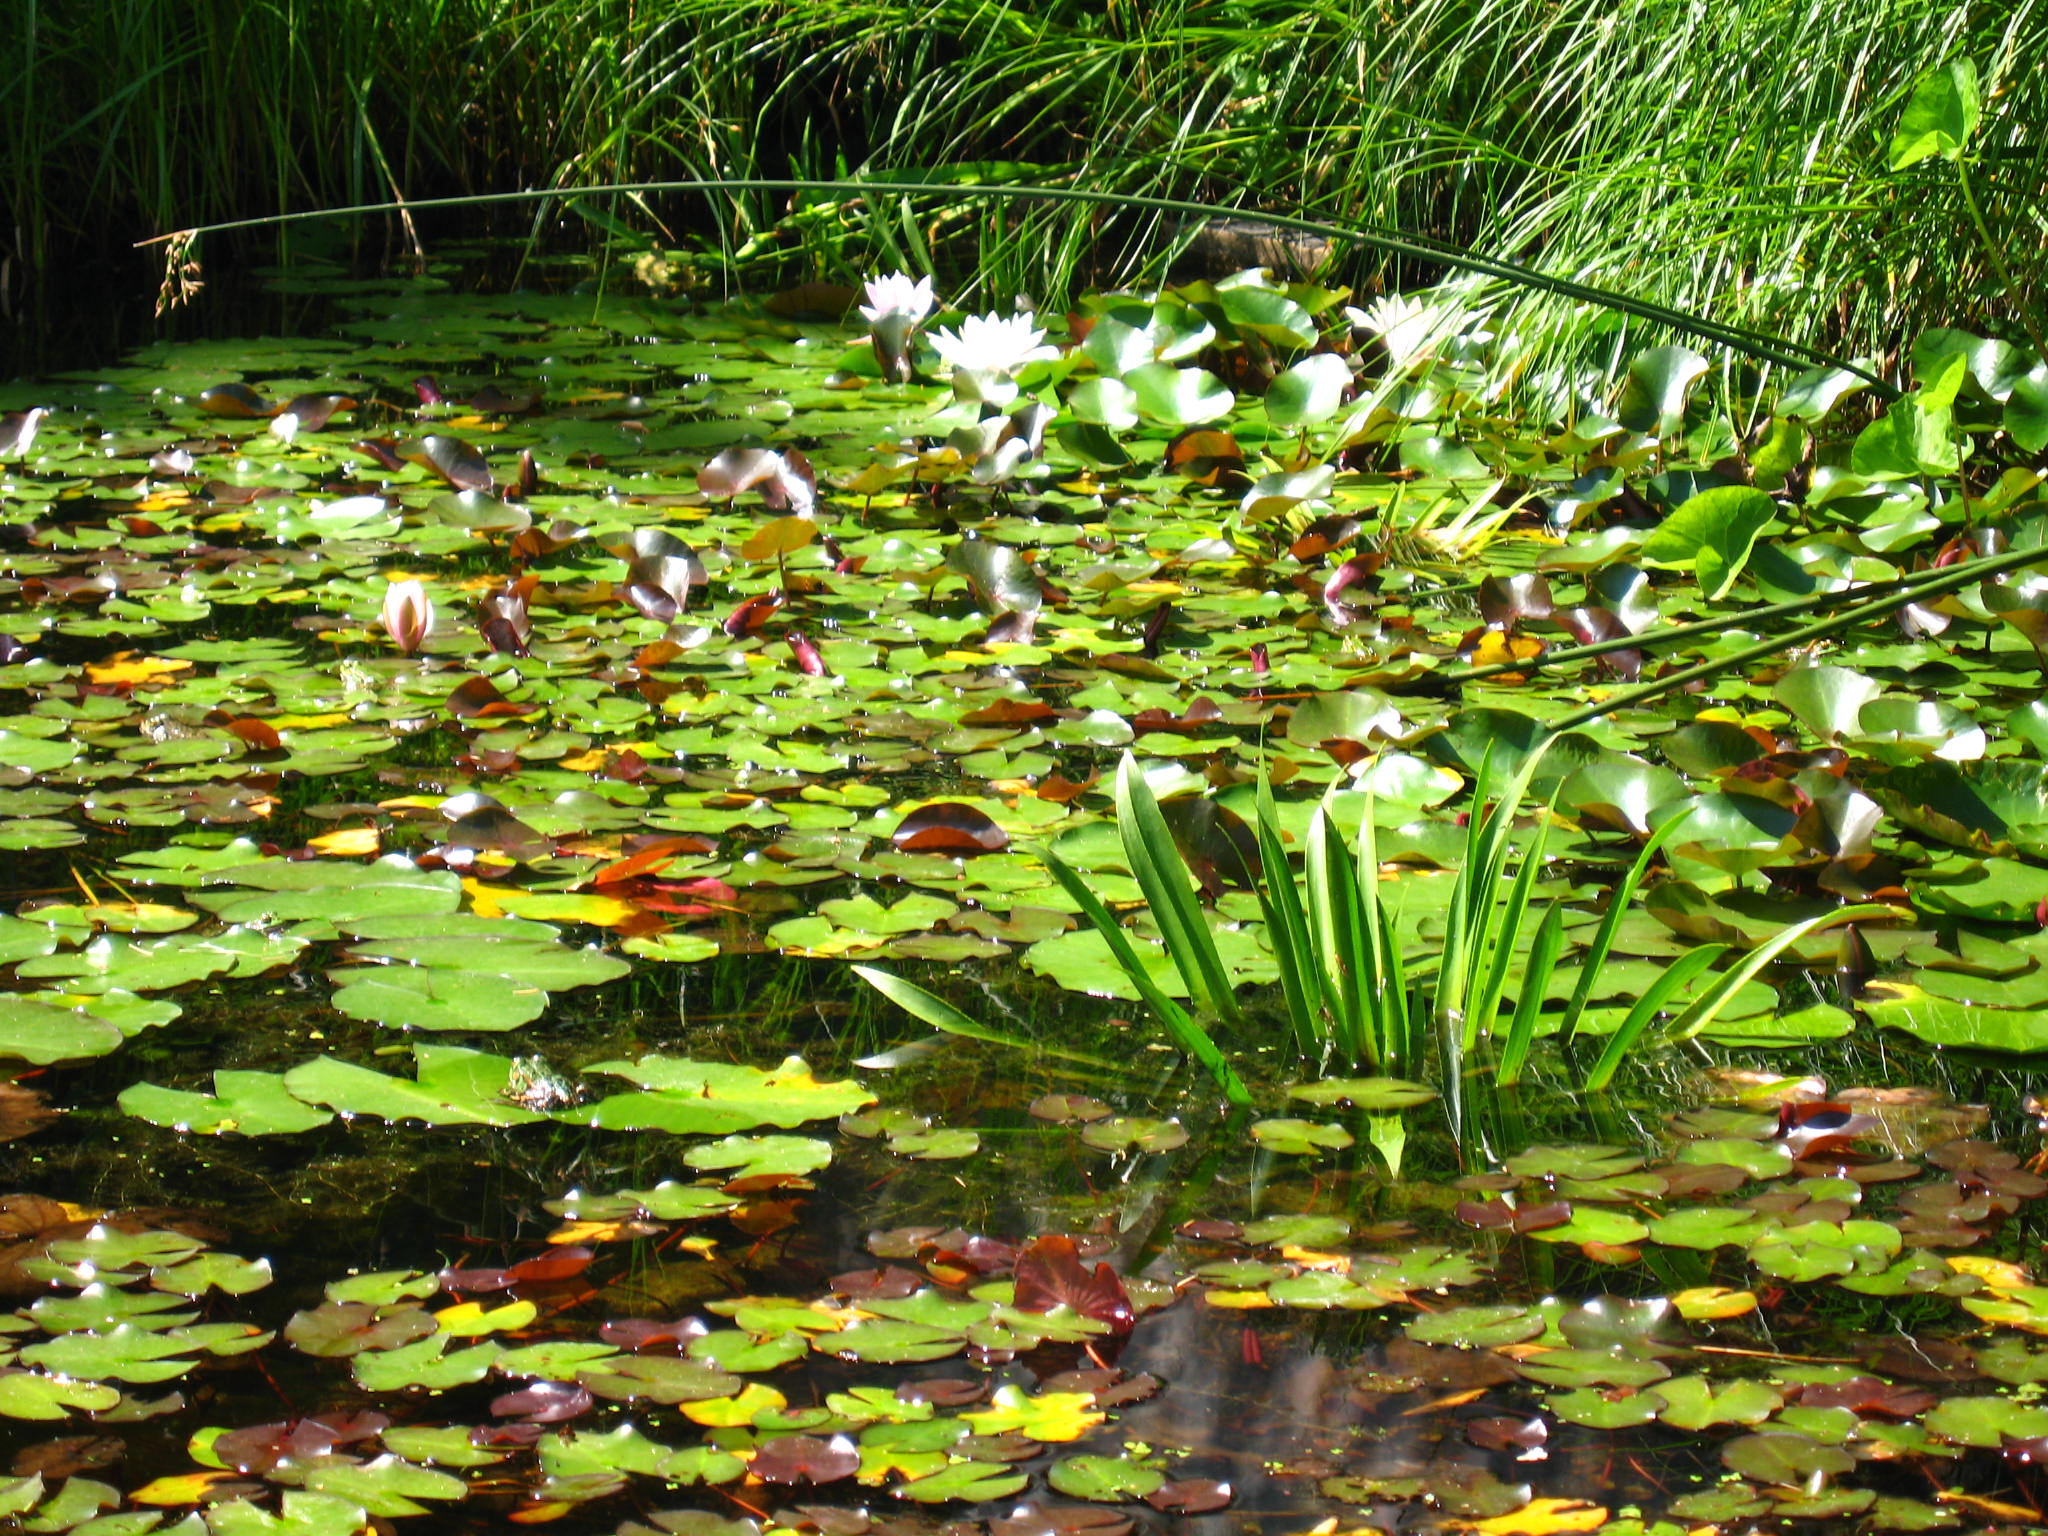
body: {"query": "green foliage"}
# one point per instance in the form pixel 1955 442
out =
pixel 1497 127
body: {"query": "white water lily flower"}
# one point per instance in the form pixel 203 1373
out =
pixel 994 343
pixel 1407 328
pixel 987 352
pixel 895 308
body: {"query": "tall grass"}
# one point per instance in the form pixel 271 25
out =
pixel 1728 159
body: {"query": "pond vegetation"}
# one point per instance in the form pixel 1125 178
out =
pixel 1482 904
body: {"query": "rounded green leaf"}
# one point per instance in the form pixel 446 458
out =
pixel 1105 402
pixel 1659 382
pixel 1266 312
pixel 1300 1137
pixel 1710 534
pixel 1309 393
pixel 1103 1479
pixel 1941 117
pixel 1179 397
pixel 1789 1461
pixel 247 1103
pixel 1829 701
pixel 1476 1327
pixel 35 1032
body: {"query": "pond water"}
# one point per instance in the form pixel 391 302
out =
pixel 443 1101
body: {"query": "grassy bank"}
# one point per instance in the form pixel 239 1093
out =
pixel 1727 159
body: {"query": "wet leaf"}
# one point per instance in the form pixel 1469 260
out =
pixel 1300 1137
pixel 1106 1479
pixel 1788 1461
pixel 947 826
pixel 1121 1133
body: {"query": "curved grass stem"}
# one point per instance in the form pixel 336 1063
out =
pixel 1752 344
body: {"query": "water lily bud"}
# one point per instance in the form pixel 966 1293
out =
pixel 408 615
pixel 895 308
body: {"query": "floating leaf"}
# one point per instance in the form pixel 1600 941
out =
pixel 454 1086
pixel 1106 1479
pixel 1712 534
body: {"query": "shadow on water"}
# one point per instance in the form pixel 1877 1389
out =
pixel 1349 1356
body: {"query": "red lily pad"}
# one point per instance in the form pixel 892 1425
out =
pixel 545 1402
pixel 479 699
pixel 236 400
pixel 455 461
pixel 1190 1496
pixel 948 826
pixel 260 1447
pixel 805 1459
pixel 1050 1274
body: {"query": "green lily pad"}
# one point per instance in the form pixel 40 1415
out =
pixel 1475 1327
pixel 1300 1137
pixel 974 1482
pixel 1605 1410
pixel 124 1353
pixel 34 1395
pixel 1368 1093
pixel 1985 1421
pixel 1103 1479
pixel 753 1156
pixel 280 891
pixel 698 1098
pixel 454 1086
pixel 885 1342
pixel 245 1103
pixel 1595 1224
pixel 1134 1133
pixel 414 997
pixel 387 1485
pixel 1699 1402
pixel 212 1271
pixel 37 1033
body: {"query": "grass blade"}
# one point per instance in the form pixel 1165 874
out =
pixel 1676 976
pixel 1287 932
pixel 1708 1005
pixel 1476 926
pixel 1185 1029
pixel 1502 935
pixel 947 1019
pixel 1543 953
pixel 1610 924
pixel 1382 1000
pixel 1163 875
pixel 1333 925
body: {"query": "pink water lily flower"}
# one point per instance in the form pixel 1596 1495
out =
pixel 408 615
pixel 896 307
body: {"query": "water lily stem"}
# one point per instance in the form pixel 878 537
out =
pixel 1756 344
pixel 1904 589
pixel 1945 581
pixel 1991 252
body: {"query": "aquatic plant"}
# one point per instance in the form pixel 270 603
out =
pixel 896 306
pixel 1355 999
pixel 749 658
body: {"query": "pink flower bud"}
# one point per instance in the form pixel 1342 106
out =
pixel 408 616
